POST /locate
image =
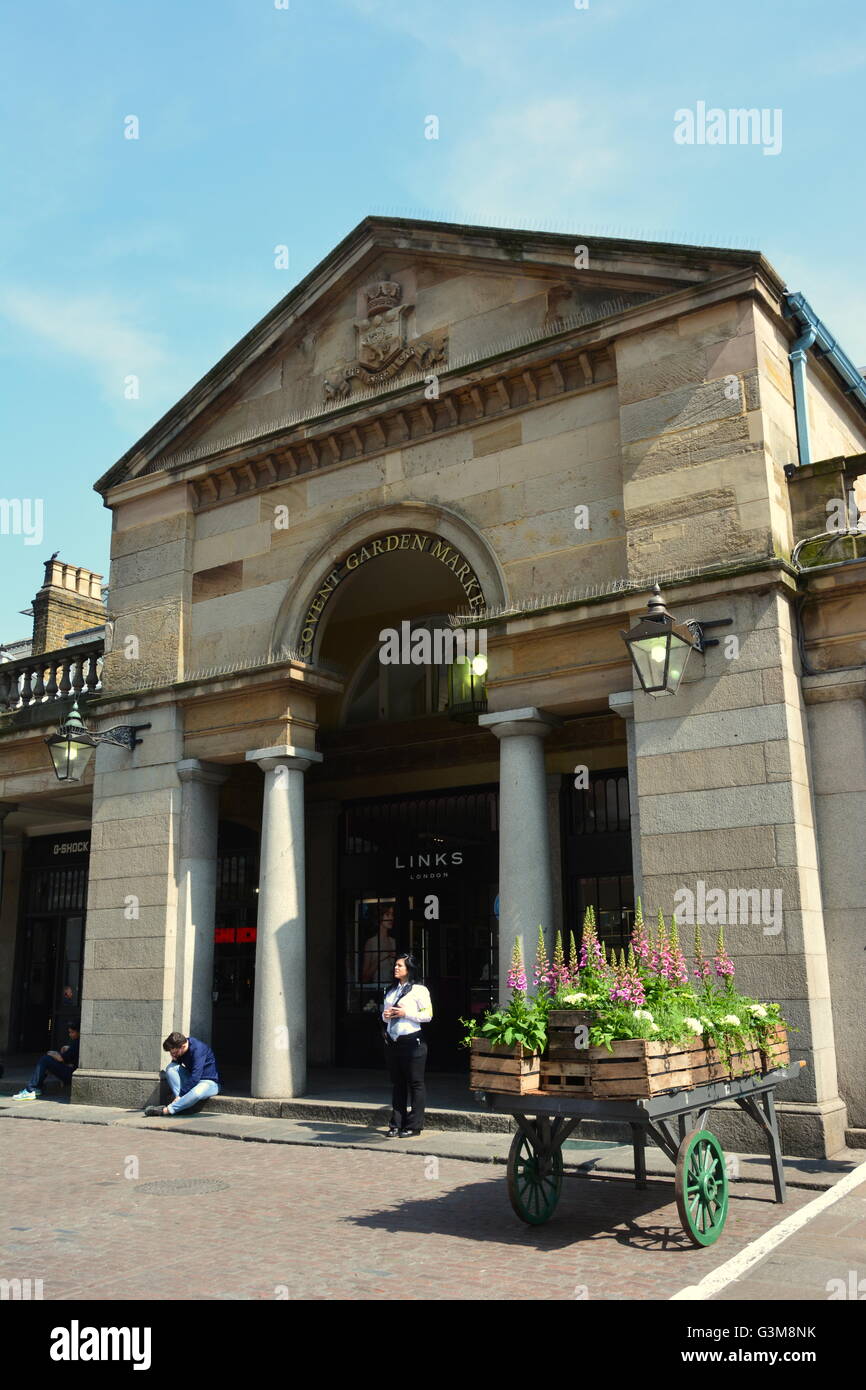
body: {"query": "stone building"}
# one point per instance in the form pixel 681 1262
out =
pixel 519 435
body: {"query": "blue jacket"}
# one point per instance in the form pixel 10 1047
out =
pixel 199 1062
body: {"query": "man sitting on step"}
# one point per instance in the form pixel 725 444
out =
pixel 60 1064
pixel 191 1074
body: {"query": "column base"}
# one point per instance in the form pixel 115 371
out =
pixel 132 1089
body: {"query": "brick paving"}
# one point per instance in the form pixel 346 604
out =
pixel 326 1223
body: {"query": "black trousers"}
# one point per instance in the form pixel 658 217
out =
pixel 406 1059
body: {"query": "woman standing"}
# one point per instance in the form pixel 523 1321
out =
pixel 406 1007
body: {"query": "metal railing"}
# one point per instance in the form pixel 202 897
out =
pixel 37 680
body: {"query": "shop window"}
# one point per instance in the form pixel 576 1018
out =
pixel 597 857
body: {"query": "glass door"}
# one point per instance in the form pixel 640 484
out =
pixel 39 968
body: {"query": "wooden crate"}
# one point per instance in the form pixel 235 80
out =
pixel 565 1078
pixel 776 1051
pixel 639 1067
pixel 746 1062
pixel 709 1064
pixel 495 1067
pixel 564 1067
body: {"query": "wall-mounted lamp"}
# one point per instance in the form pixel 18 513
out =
pixel 467 687
pixel 659 647
pixel 71 748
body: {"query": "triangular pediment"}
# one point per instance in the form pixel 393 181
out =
pixel 396 301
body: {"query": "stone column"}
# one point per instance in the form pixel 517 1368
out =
pixel 622 703
pixel 279 1011
pixel 525 878
pixel 197 869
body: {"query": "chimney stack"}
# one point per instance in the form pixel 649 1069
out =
pixel 70 599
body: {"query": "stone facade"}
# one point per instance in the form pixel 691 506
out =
pixel 565 437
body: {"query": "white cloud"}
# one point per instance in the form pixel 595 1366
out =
pixel 97 331
pixel 524 163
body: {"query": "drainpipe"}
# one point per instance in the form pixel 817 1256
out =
pixel 797 357
pixel 815 333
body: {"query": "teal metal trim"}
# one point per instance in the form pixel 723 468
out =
pixel 816 335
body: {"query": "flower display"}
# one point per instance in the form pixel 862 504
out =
pixel 517 974
pixel 642 990
pixel 542 964
pixel 722 961
pixel 560 975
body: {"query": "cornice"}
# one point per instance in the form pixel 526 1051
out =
pixel 491 394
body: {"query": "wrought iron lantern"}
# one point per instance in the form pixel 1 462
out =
pixel 467 687
pixel 71 748
pixel 659 647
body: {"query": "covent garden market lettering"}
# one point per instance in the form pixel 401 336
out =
pixel 384 545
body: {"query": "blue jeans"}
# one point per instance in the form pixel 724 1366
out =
pixel 186 1094
pixel 45 1064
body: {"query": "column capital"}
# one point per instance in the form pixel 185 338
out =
pixel 621 702
pixel 192 770
pixel 520 723
pixel 285 755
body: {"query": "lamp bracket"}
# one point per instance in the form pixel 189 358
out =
pixel 697 630
pixel 122 736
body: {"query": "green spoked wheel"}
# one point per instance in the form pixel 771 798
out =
pixel 534 1180
pixel 702 1187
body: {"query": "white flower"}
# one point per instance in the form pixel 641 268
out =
pixel 757 1010
pixel 574 998
pixel 694 1025
pixel 732 1019
pixel 643 1013
pixel 654 1028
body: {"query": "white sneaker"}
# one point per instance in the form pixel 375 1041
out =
pixel 27 1095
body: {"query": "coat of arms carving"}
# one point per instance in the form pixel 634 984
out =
pixel 382 347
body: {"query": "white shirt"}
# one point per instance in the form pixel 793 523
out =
pixel 418 1007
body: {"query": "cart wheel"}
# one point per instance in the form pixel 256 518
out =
pixel 702 1187
pixel 534 1180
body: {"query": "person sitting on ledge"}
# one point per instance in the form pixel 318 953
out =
pixel 61 1064
pixel 192 1074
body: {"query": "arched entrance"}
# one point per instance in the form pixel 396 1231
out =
pixel 412 783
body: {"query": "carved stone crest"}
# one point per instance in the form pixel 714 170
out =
pixel 382 348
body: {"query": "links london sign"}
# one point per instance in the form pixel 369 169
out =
pixel 414 542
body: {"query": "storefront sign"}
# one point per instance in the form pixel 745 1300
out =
pixel 58 849
pixel 412 541
pixel 224 936
pixel 434 864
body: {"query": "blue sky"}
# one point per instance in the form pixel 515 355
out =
pixel 262 126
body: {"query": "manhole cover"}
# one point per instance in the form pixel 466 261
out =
pixel 180 1187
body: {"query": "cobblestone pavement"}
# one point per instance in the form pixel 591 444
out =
pixel 323 1223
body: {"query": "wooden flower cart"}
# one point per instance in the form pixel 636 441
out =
pixel 673 1112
